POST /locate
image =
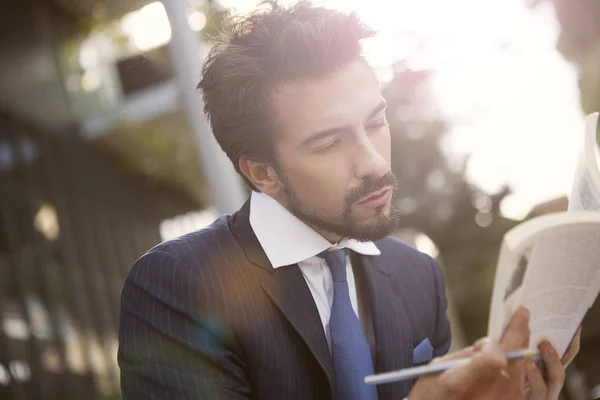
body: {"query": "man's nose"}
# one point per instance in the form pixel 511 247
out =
pixel 369 162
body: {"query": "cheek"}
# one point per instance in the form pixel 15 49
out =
pixel 319 179
pixel 382 142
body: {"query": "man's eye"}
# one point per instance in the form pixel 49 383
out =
pixel 377 125
pixel 327 147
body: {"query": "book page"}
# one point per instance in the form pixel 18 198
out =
pixel 562 283
pixel 551 265
pixel 585 194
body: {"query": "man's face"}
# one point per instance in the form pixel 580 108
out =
pixel 332 151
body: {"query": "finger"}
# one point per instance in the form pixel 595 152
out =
pixel 555 372
pixel 516 335
pixel 573 349
pixel 477 346
pixel 464 353
pixel 537 385
pixel 484 367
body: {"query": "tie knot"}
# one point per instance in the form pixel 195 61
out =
pixel 336 260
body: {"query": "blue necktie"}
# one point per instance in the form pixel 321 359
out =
pixel 351 354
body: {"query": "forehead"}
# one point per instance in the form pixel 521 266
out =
pixel 344 97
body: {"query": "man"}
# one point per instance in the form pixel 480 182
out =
pixel 299 294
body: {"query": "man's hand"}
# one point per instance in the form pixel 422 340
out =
pixel 549 387
pixel 488 376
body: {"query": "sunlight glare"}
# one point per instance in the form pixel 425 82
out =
pixel 148 27
pixel 510 99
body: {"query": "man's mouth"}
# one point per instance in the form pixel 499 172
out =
pixel 377 198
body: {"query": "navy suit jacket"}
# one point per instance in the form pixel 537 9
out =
pixel 206 316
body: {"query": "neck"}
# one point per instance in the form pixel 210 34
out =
pixel 332 238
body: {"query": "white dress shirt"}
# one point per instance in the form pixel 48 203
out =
pixel 286 240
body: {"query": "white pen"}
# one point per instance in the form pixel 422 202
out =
pixel 415 372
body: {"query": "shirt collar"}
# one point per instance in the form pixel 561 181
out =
pixel 286 239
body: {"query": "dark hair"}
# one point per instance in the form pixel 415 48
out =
pixel 257 53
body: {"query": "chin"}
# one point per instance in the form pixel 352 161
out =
pixel 374 229
pixel 375 214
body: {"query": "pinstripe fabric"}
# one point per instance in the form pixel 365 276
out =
pixel 207 317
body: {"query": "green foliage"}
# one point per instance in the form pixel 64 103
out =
pixel 579 43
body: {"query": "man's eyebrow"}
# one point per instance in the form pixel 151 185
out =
pixel 323 135
pixel 379 108
pixel 340 129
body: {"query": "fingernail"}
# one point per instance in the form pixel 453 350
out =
pixel 523 312
pixel 546 347
pixel 480 343
pixel 530 365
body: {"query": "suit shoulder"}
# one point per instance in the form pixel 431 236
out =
pixel 197 247
pixel 396 247
pixel 405 254
pixel 178 267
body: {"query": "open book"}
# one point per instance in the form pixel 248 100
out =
pixel 551 264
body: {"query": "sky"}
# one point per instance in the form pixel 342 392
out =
pixel 511 100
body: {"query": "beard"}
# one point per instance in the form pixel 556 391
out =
pixel 343 223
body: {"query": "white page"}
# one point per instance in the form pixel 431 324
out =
pixel 585 194
pixel 560 283
pixel 551 265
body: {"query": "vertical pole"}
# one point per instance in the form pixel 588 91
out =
pixel 225 185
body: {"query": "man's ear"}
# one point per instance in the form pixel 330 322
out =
pixel 262 175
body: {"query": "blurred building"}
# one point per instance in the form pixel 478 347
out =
pixel 97 164
pixel 71 224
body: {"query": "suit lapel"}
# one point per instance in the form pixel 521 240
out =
pixel 364 302
pixel 288 290
pixel 393 335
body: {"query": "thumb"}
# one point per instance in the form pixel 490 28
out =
pixel 516 335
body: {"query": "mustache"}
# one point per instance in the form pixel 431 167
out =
pixel 369 186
